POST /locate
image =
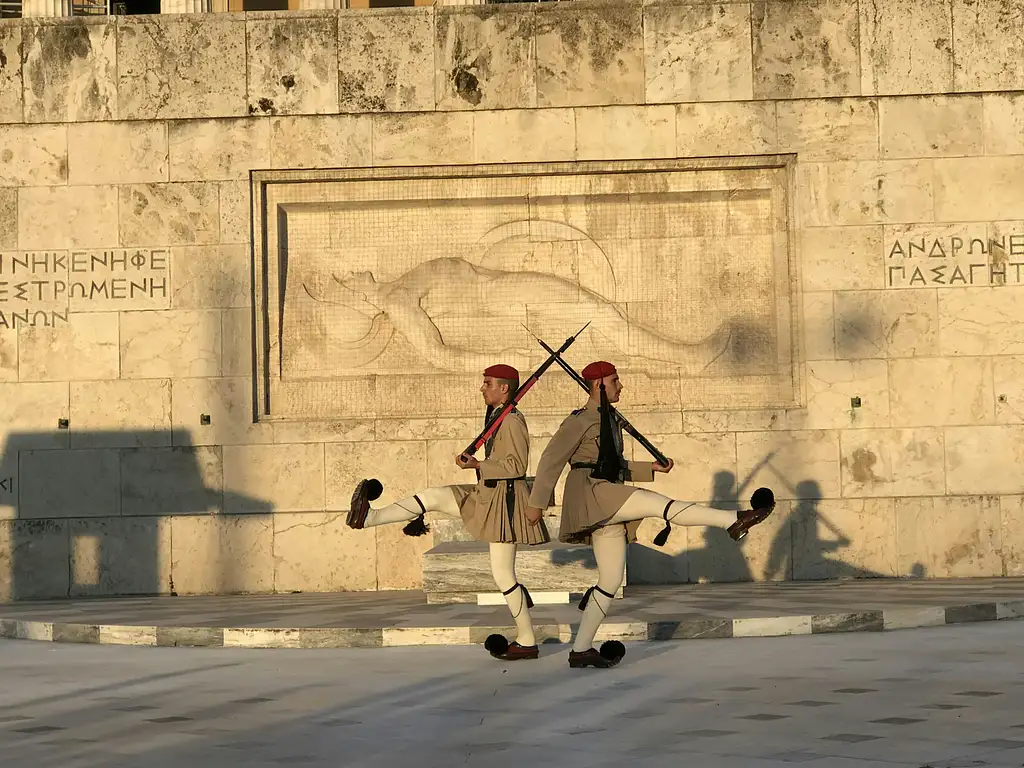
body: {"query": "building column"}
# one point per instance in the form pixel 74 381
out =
pixel 186 6
pixel 31 9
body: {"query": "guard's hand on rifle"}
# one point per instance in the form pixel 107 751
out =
pixel 467 462
pixel 534 515
pixel 659 468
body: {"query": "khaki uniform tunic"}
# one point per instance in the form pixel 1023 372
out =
pixel 587 503
pixel 484 510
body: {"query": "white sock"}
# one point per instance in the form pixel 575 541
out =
pixel 610 551
pixel 643 503
pixel 440 500
pixel 503 567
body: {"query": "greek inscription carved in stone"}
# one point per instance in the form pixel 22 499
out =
pixel 953 261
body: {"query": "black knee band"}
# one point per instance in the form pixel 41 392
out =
pixel 417 527
pixel 526 593
pixel 662 538
pixel 586 596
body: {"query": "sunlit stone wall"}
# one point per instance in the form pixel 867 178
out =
pixel 798 227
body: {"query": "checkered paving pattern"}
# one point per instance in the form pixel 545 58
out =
pixel 403 618
pixel 950 697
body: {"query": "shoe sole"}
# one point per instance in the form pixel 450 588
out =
pixel 352 521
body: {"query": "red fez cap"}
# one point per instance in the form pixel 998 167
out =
pixel 502 371
pixel 598 370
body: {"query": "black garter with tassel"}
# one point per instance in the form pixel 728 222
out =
pixel 662 538
pixel 418 526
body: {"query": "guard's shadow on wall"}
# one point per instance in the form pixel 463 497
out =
pixel 94 518
pixel 804 547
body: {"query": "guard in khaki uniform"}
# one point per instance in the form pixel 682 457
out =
pixel 598 509
pixel 493 510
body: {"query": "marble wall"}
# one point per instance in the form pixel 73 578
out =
pixel 134 461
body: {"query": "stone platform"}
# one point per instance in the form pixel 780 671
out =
pixel 381 619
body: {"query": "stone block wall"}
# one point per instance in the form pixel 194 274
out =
pixel 134 460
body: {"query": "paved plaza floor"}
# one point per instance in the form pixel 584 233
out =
pixel 379 619
pixel 944 697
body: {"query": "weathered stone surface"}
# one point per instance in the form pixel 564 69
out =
pixel 59 218
pixel 222 554
pixel 31 412
pixel 810 457
pixel 318 552
pixel 981 321
pixel 86 348
pixel 725 128
pixel 182 213
pixel 70 71
pixel 33 559
pixel 1004 123
pixel 113 414
pixel 848 538
pixel 978 188
pixel 884 324
pixel 214 276
pixel 842 258
pixel 589 56
pixel 1011 534
pixel 288 477
pixel 829 129
pixel 340 431
pixel 805 49
pixel 175 344
pixel 931 126
pixel 234 211
pixel 984 459
pixel 423 139
pixel 819 325
pixel 485 58
pixel 11 86
pixel 215 150
pixel 328 141
pixel 831 386
pixel 988 46
pixel 949 537
pixel 62 483
pixel 171 481
pixel 293 64
pixel 893 462
pixel 9 354
pixel 120 556
pixel 698 52
pixel 941 391
pixel 867 192
pixel 625 133
pixel 707 457
pixel 117 153
pixel 33 155
pixel 906 46
pixel 8 218
pixel 524 136
pixel 160 59
pixel 386 61
pixel 1008 382
pixel 236 342
pixel 228 403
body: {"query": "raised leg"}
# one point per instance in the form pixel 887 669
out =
pixel 643 503
pixel 439 500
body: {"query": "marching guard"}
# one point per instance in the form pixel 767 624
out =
pixel 598 509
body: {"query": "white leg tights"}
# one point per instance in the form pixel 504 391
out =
pixel 609 544
pixel 643 503
pixel 503 567
pixel 440 500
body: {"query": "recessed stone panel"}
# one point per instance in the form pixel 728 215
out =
pixel 589 56
pixel 70 71
pixel 563 244
pixel 485 58
pixel 11 87
pixel 697 52
pixel 906 46
pixel 805 49
pixel 386 61
pixel 160 59
pixel 293 65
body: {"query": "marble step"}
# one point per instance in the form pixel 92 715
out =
pixel 460 572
